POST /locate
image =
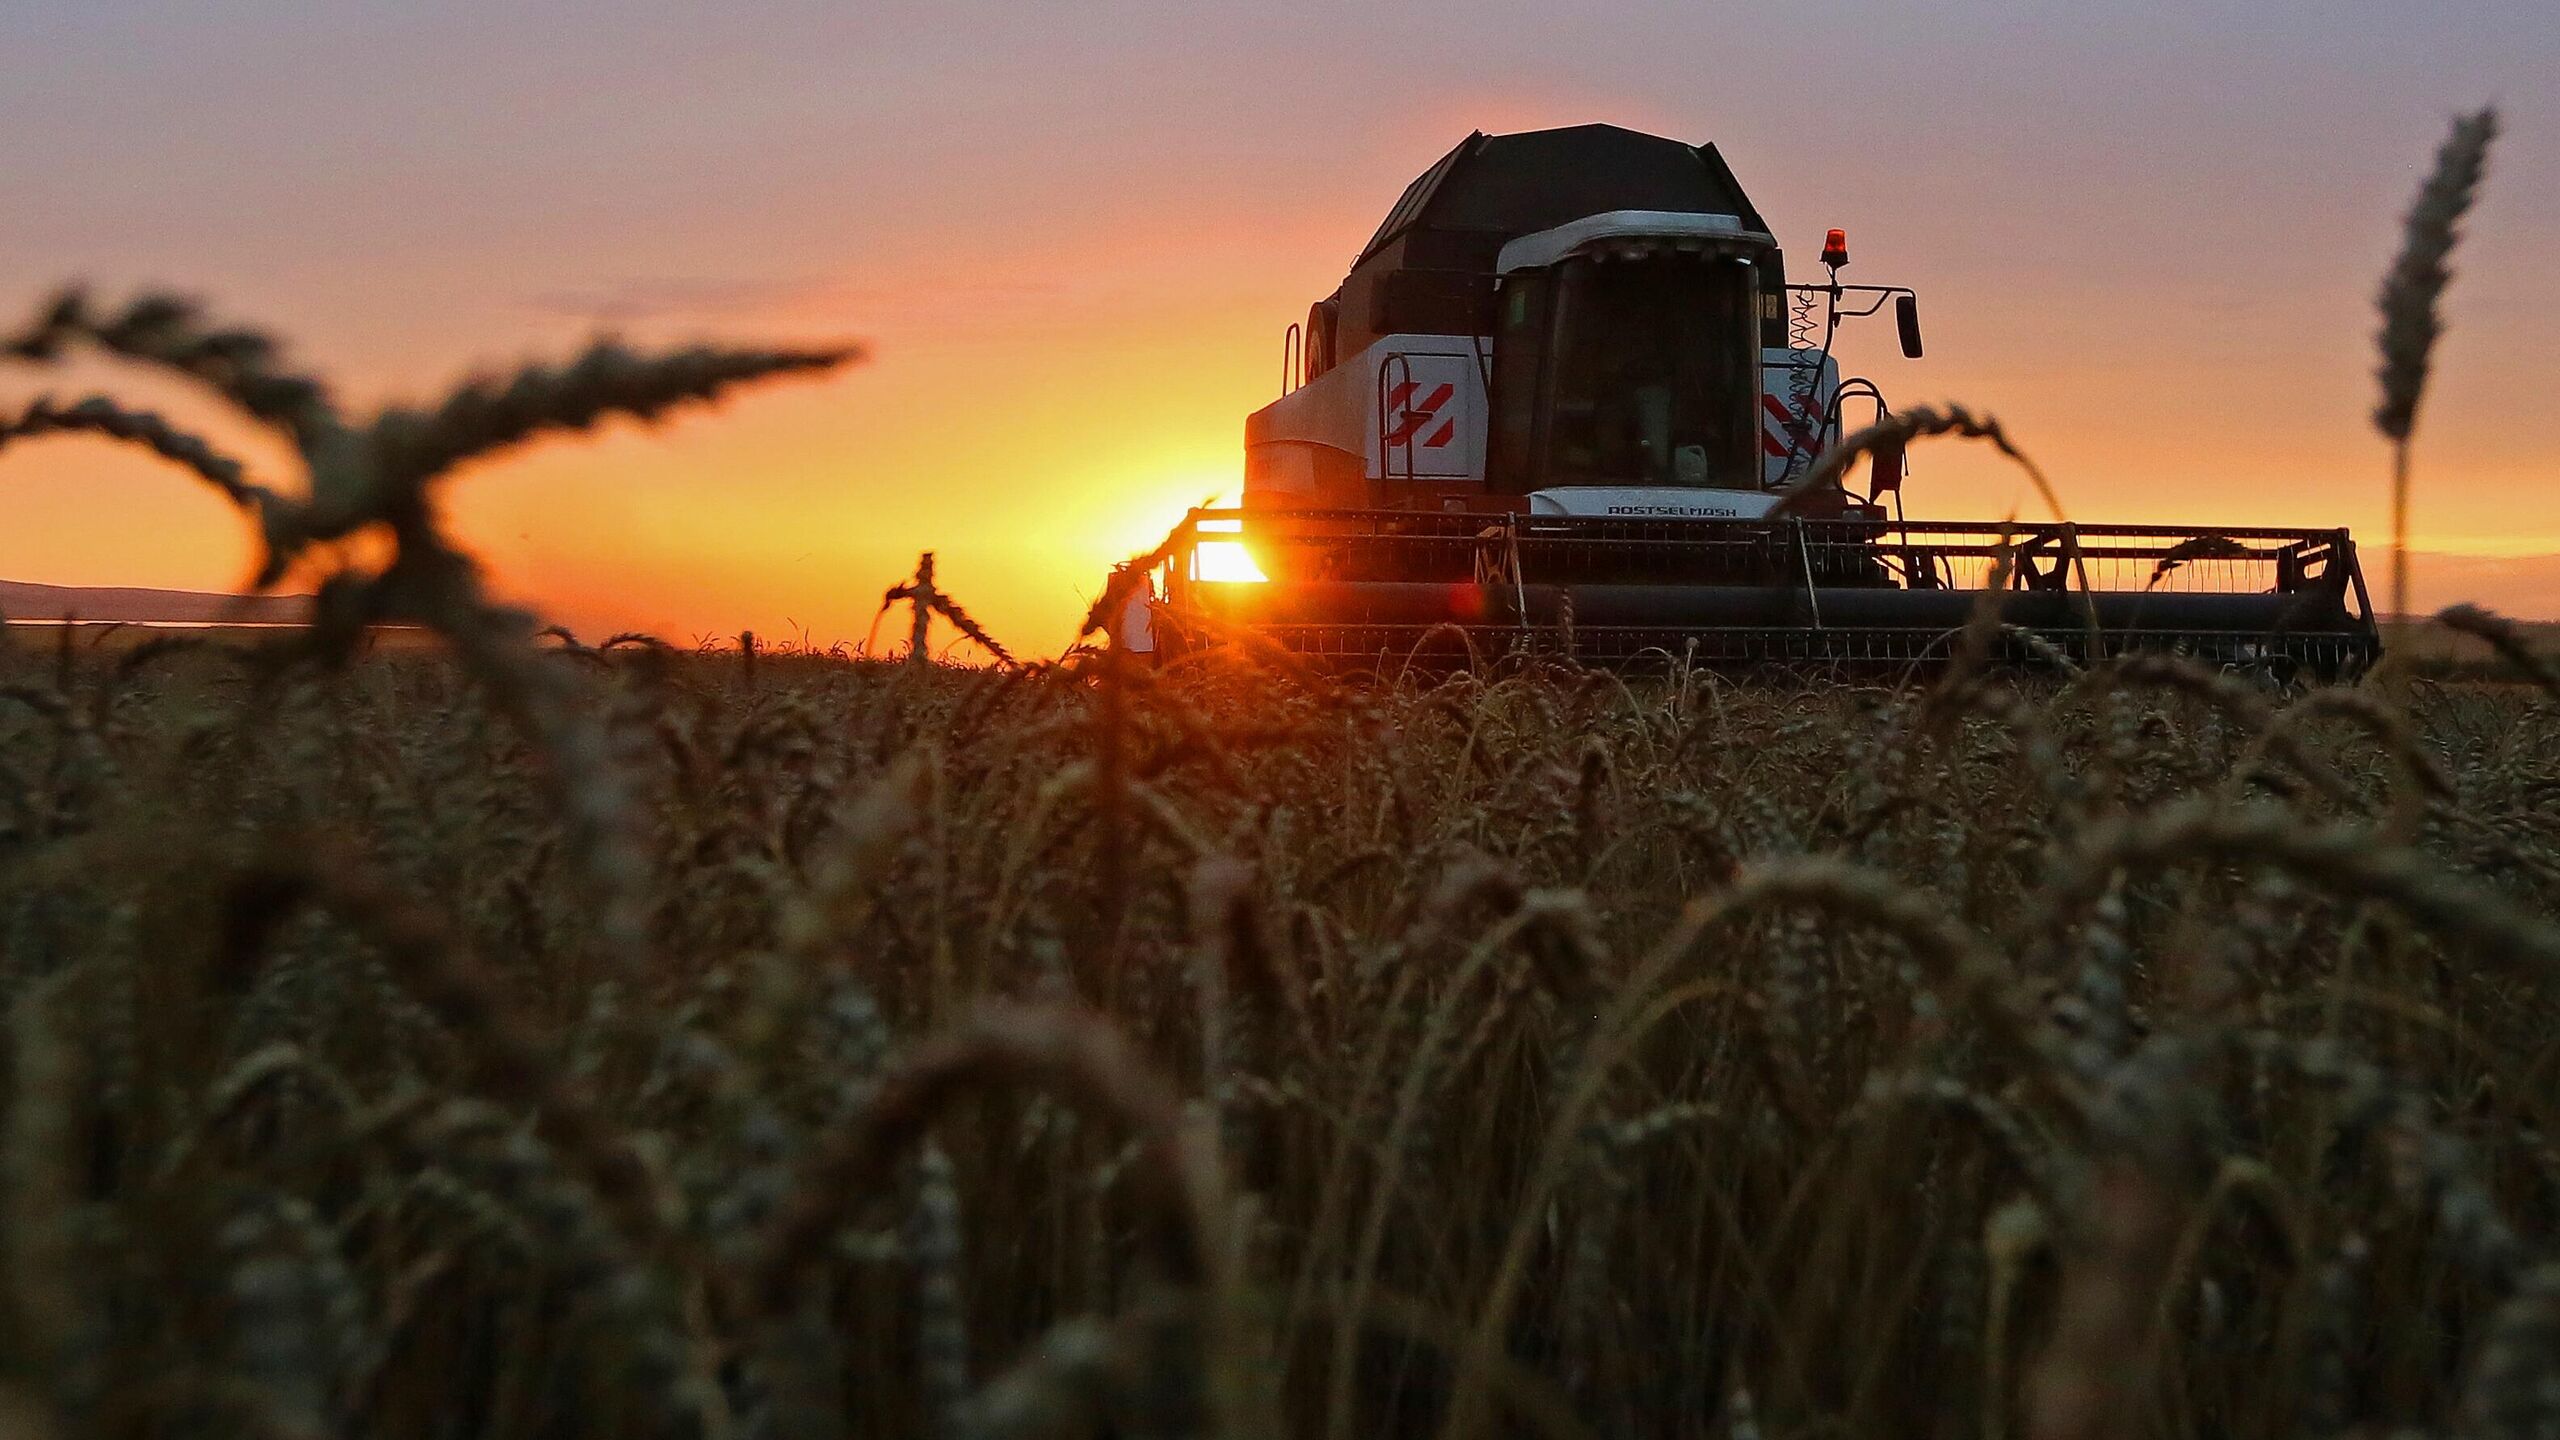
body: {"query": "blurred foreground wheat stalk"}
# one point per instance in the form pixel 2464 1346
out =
pixel 2412 312
pixel 381 475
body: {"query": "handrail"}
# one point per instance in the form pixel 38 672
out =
pixel 1812 592
pixel 2355 573
pixel 1397 363
pixel 2079 563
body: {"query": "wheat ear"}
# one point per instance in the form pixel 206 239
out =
pixel 2411 319
pixel 2344 859
pixel 98 415
pixel 513 1062
pixel 2514 1384
pixel 1901 428
pixel 486 414
pixel 2505 638
pixel 159 328
pixel 926 600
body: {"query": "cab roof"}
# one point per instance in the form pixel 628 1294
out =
pixel 1495 188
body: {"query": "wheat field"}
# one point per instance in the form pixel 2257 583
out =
pixel 1548 1053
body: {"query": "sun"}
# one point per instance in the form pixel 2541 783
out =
pixel 1226 560
pixel 1222 560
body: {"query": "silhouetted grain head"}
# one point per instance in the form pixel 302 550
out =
pixel 98 415
pixel 159 328
pixel 410 447
pixel 2413 290
pixel 1899 429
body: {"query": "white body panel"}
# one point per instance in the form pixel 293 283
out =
pixel 1432 389
pixel 1797 388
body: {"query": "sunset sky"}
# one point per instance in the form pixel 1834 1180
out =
pixel 2145 234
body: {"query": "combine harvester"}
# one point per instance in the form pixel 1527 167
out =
pixel 1555 406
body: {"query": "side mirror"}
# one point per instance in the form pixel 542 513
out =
pixel 1906 317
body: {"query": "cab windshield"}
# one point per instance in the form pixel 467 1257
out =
pixel 1655 374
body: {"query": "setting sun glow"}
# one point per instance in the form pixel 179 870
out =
pixel 1227 560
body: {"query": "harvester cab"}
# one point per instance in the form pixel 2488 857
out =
pixel 1555 404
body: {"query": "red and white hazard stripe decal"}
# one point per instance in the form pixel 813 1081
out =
pixel 1786 431
pixel 1411 416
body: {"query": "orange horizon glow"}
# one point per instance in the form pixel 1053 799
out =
pixel 616 532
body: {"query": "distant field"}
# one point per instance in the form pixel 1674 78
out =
pixel 120 635
pixel 118 618
pixel 22 601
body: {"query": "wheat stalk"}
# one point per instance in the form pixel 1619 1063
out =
pixel 942 1319
pixel 1061 1383
pixel 2412 319
pixel 2343 858
pixel 513 1061
pixel 926 600
pixel 2513 1391
pixel 1081 1058
pixel 298 1318
pixel 2507 639
pixel 39 1187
